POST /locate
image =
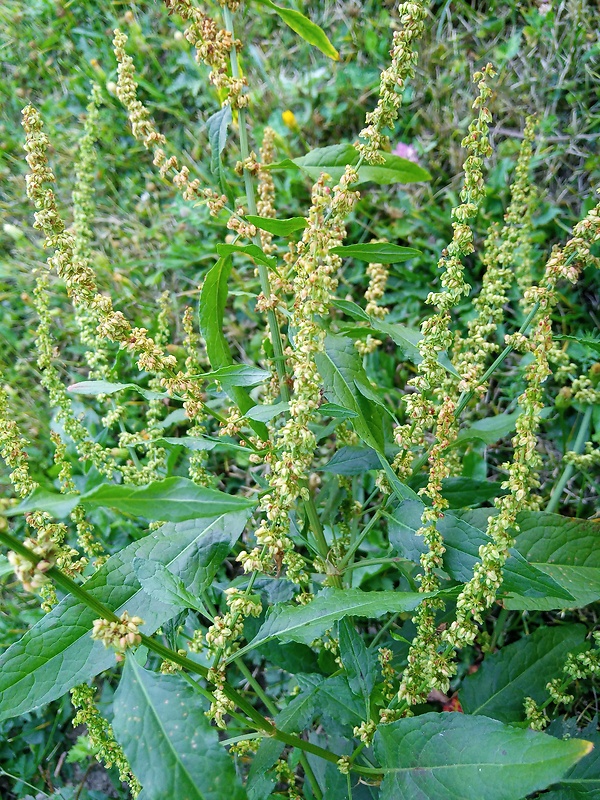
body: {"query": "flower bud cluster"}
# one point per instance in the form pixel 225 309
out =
pixel 314 284
pixel 393 81
pixel 142 126
pixel 503 251
pixel 213 47
pixel 101 735
pixel 121 636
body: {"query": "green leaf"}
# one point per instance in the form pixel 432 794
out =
pixel 463 492
pixel 305 623
pixel 333 160
pixel 252 250
pixel 352 460
pixel 351 309
pixel 358 662
pixel 581 782
pixel 261 777
pixel 169 500
pixel 565 549
pixel 458 757
pixel 95 388
pixel 519 670
pixel 591 343
pixel 213 299
pixel 58 505
pixel 189 442
pixel 464 533
pixel 237 375
pixel 305 28
pixel 58 652
pixel 376 252
pixel 407 339
pixel 278 227
pixel 491 429
pixel 341 369
pixel 160 584
pixel 217 126
pixel 335 411
pixel 173 749
pixel 265 413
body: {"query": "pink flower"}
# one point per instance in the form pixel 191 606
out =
pixel 406 151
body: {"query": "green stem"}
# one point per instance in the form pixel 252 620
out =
pixel 570 468
pixel 263 272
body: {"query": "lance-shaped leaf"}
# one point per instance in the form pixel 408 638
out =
pixel 352 460
pixel 95 388
pixel 278 227
pixel 237 375
pixel 252 250
pixel 377 252
pixel 581 782
pixel 305 623
pixel 519 670
pixel 333 160
pixel 458 757
pixel 211 308
pixel 341 369
pixel 169 500
pixel 489 430
pixel 568 551
pixel 58 652
pixel 464 533
pixel 217 126
pixel 304 27
pixel 171 746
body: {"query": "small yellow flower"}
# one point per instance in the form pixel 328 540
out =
pixel 289 120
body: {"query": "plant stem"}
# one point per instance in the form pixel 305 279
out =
pixel 582 436
pixel 263 272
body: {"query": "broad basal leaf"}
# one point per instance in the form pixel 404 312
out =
pixel 333 160
pixel 306 623
pixel 519 670
pixel 58 652
pixel 377 252
pixel 464 533
pixel 170 500
pixel 457 757
pixel 304 27
pixel 581 782
pixel 278 227
pixel 173 749
pixel 565 549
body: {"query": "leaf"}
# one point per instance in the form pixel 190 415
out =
pixel 306 623
pixel 237 375
pixel 590 342
pixel 340 367
pixel 58 652
pixel 252 250
pixel 407 339
pixel 581 782
pixel 351 309
pixel 352 460
pixel 261 777
pixel 335 411
pixel 305 28
pixel 333 160
pixel 377 252
pixel 160 584
pixel 173 749
pixel 301 710
pixel 265 413
pixel 278 227
pixel 189 442
pixel 565 549
pixel 217 126
pixel 358 663
pixel 490 430
pixel 337 705
pixel 169 500
pixel 463 492
pixel 464 533
pixel 95 388
pixel 519 670
pixel 58 505
pixel 458 757
pixel 213 299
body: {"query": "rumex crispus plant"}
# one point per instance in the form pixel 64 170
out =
pixel 315 565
